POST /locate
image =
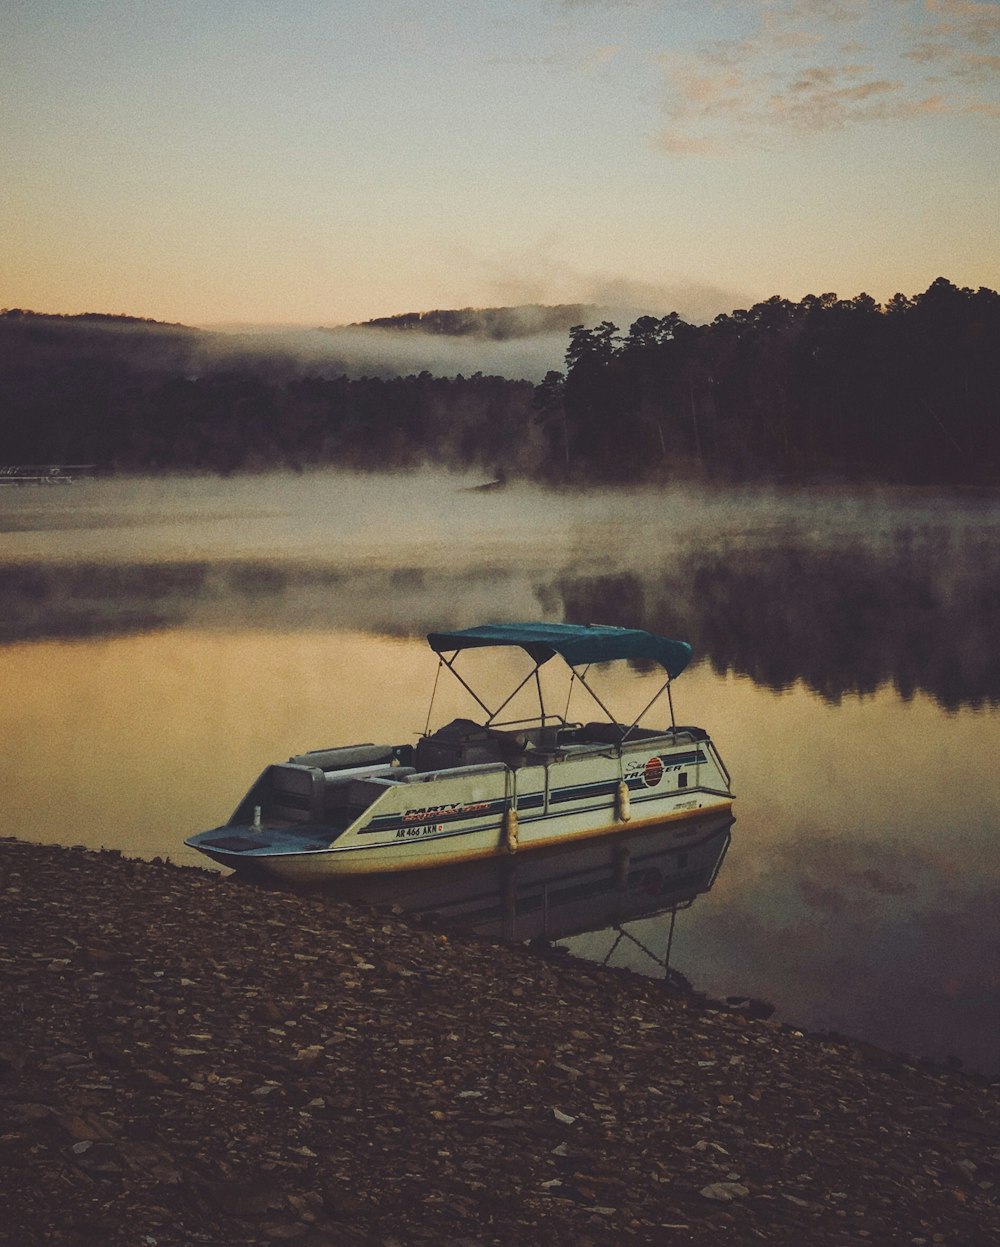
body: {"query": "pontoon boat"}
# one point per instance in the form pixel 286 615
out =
pixel 478 789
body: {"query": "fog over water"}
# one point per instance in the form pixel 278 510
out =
pixel 162 640
pixel 356 351
pixel 524 341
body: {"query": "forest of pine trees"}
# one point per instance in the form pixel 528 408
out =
pixel 822 389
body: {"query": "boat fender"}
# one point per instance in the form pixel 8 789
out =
pixel 510 829
pixel 624 803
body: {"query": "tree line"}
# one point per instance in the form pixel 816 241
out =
pixel 133 397
pixel 498 324
pixel 823 388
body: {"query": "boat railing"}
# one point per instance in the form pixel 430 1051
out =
pixel 550 721
pixel 463 742
pixel 598 733
pixel 447 772
pixel 717 759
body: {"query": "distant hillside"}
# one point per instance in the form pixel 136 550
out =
pixel 38 349
pixel 497 324
pixel 111 319
pixel 137 395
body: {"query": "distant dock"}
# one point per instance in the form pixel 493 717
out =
pixel 44 473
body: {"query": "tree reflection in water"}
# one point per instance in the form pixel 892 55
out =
pixel 921 614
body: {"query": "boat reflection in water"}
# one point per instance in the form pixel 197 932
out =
pixel 552 894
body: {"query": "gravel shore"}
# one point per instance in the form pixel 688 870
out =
pixel 189 1060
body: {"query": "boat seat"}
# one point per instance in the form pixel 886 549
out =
pixel 459 743
pixel 463 742
pixel 347 756
pixel 293 792
pixel 458 730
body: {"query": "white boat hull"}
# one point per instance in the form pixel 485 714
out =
pixel 386 816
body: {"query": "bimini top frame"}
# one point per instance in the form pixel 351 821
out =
pixel 579 645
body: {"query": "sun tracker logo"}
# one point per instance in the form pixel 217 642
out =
pixel 652 772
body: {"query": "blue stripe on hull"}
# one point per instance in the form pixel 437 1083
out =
pixel 536 800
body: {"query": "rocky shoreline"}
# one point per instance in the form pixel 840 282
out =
pixel 187 1060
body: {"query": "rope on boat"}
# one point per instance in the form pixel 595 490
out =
pixel 573 677
pixel 430 708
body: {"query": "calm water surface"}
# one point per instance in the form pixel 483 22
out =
pixel 161 641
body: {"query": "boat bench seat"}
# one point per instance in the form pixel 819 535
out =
pixel 290 791
pixel 304 793
pixel 345 757
pixel 466 743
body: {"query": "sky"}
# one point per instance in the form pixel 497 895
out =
pixel 318 162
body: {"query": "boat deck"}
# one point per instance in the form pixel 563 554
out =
pixel 278 838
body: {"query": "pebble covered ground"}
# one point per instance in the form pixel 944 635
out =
pixel 189 1060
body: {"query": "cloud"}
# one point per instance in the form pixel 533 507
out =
pixel 951 60
pixel 591 61
pixel 826 11
pixel 792 40
pixel 809 66
pixel 626 297
pixel 537 274
pixel 979 67
pixel 707 108
pixel 958 40
pixel 825 98
pixel 601 56
pixel 603 4
pixel 975 22
pixel 679 144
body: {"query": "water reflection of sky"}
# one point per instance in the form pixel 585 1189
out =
pixel 164 642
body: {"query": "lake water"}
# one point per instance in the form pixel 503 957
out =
pixel 161 641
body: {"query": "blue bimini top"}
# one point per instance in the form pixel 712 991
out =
pixel 578 644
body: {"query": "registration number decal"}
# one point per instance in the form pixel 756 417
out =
pixel 414 833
